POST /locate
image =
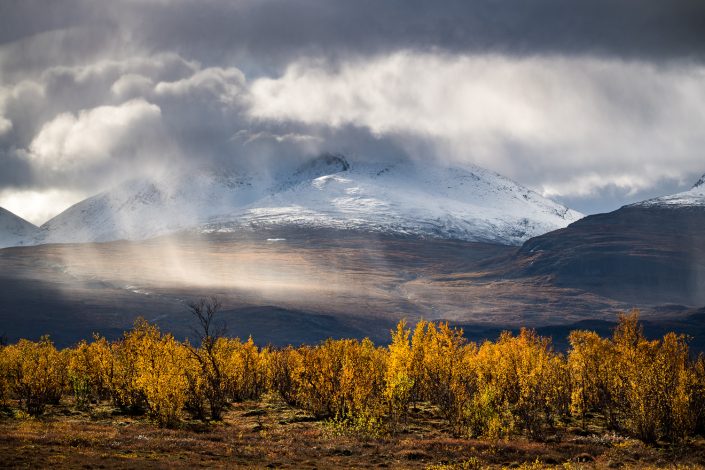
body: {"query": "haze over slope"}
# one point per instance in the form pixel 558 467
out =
pixel 401 197
pixel 284 257
pixel 13 229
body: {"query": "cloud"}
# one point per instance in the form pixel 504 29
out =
pixel 567 97
pixel 568 126
pixel 131 85
pixel 5 126
pixel 70 142
pixel 261 36
pixel 226 84
pixel 268 34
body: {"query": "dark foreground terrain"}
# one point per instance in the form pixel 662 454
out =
pixel 268 433
pixel 292 287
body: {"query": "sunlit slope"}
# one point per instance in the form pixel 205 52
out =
pixel 330 192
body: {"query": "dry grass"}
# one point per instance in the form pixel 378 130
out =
pixel 271 434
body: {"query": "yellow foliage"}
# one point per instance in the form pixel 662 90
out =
pixel 36 373
pixel 398 376
pixel 160 362
pixel 148 370
pixel 246 369
pixel 517 384
pixel 525 381
pixel 591 363
pixel 649 388
pixel 445 373
pixel 4 376
pixel 339 378
pixel 87 363
pixel 655 385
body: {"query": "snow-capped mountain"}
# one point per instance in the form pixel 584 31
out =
pixel 146 208
pixel 693 197
pixel 470 204
pixel 328 192
pixel 14 229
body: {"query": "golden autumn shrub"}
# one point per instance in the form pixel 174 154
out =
pixel 651 389
pixel 398 376
pixel 338 379
pixel 678 382
pixel 656 383
pixel 121 373
pixel 591 364
pixel 284 369
pixel 36 373
pixel 86 367
pixel 446 374
pixel 246 370
pixel 525 381
pixel 148 371
pixel 223 370
pixel 206 378
pixel 647 388
pixel 699 394
pixel 160 362
pixel 362 382
pixel 4 376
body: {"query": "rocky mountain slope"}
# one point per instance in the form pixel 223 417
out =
pixel 652 250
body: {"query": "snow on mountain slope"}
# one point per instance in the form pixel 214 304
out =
pixel 13 229
pixel 693 197
pixel 470 204
pixel 146 208
pixel 328 192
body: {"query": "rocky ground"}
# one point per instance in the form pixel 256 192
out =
pixel 271 434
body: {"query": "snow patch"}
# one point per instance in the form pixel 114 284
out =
pixel 694 197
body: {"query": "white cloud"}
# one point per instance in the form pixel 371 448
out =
pixel 73 141
pixel 131 85
pixel 226 84
pixel 157 66
pixel 566 125
pixel 5 126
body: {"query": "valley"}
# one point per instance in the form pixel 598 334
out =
pixel 293 286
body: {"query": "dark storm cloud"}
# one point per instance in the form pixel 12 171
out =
pixel 551 92
pixel 270 33
pixel 16 171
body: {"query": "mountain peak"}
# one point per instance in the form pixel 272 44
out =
pixel 6 216
pixel 327 192
pixel 13 228
pixel 326 164
pixel 693 197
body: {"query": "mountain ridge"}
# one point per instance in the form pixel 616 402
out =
pixel 330 191
pixel 14 230
pixel 652 250
pixel 694 196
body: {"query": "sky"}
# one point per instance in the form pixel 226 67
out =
pixel 595 103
